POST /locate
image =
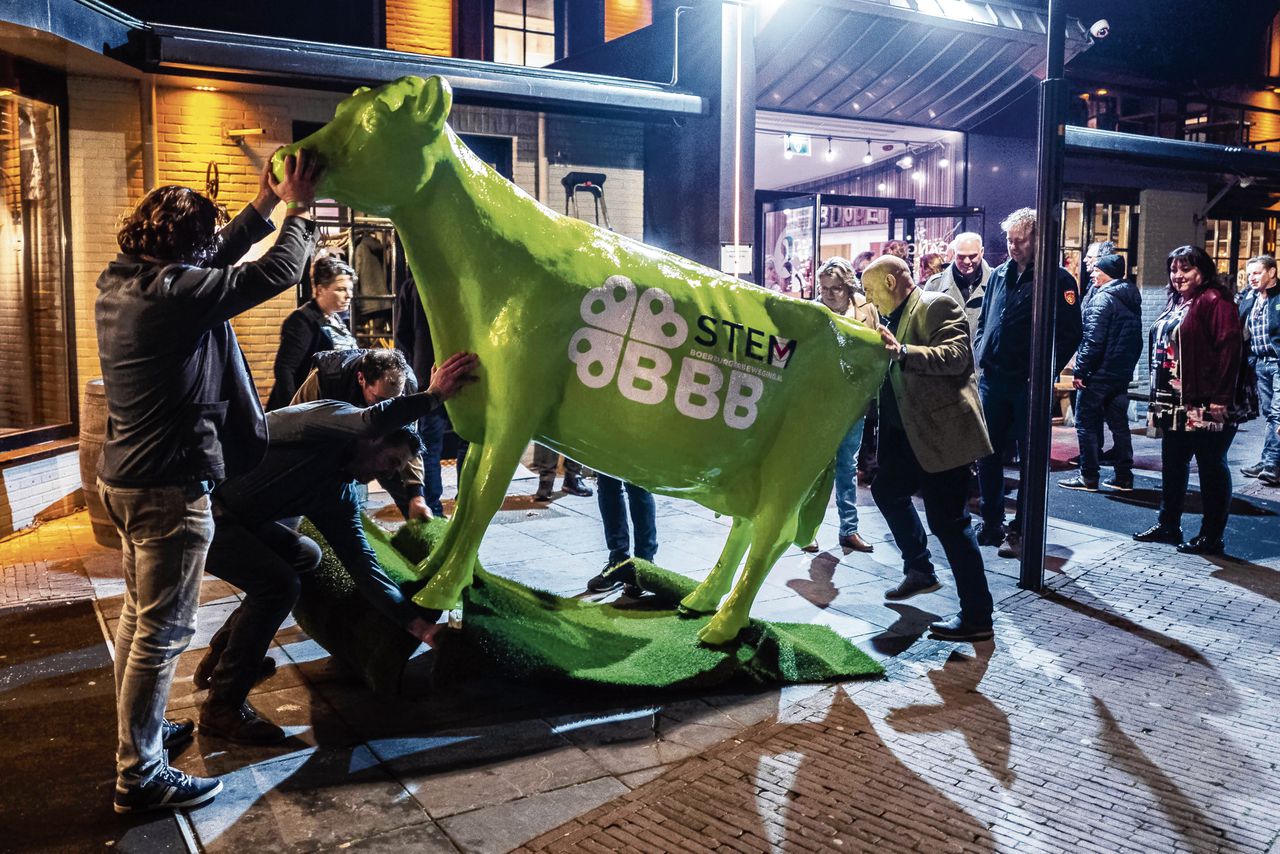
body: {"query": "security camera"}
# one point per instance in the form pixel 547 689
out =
pixel 1100 28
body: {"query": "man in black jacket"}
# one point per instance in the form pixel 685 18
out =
pixel 319 451
pixel 1108 353
pixel 1002 349
pixel 182 414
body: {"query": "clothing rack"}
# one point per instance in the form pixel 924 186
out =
pixel 379 268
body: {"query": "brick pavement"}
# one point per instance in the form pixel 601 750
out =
pixel 1129 709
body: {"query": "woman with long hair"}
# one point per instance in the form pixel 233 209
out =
pixel 1194 357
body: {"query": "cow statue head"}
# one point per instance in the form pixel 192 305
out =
pixel 382 145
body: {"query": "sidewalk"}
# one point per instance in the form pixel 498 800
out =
pixel 1130 708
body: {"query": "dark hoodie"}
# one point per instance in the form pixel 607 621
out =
pixel 1112 339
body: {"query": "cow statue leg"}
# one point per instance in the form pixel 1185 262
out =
pixel 772 534
pixel 480 495
pixel 706 598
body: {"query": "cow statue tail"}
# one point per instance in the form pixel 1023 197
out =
pixel 814 507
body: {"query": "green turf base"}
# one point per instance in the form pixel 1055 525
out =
pixel 531 634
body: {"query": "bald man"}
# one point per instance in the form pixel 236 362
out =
pixel 931 429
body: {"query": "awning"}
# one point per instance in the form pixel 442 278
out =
pixel 165 49
pixel 947 64
pixel 1174 153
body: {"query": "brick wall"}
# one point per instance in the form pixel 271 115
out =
pixel 420 26
pixel 1166 222
pixel 612 147
pixel 34 491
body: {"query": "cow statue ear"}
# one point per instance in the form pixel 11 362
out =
pixel 434 102
pixel 360 91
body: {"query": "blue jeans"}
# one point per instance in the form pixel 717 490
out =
pixel 1004 403
pixel 847 479
pixel 946 509
pixel 1095 405
pixel 165 533
pixel 432 428
pixel 1269 406
pixel 613 513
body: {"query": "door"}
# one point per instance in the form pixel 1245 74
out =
pixel 929 229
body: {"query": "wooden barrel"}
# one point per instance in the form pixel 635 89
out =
pixel 93 431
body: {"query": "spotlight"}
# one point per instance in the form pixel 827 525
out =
pixel 867 158
pixel 943 163
pixel 882 186
pixel 906 161
pixel 917 176
pixel 1103 91
pixel 205 88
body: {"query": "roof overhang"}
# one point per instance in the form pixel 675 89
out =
pixel 949 64
pixel 162 49
pixel 1173 153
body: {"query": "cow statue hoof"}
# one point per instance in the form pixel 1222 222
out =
pixel 720 629
pixel 702 600
pixel 439 594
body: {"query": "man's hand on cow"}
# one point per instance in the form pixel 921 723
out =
pixel 1077 383
pixel 890 343
pixel 301 173
pixel 456 372
pixel 267 199
pixel 418 509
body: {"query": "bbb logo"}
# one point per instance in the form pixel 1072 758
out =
pixel 628 336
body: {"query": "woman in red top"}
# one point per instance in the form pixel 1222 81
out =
pixel 1195 358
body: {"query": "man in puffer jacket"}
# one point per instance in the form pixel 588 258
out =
pixel 1108 353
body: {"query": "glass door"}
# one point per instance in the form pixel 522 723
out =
pixel 787 244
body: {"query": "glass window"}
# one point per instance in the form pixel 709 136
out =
pixel 35 383
pixel 524 32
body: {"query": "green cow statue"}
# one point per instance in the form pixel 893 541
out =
pixel 632 360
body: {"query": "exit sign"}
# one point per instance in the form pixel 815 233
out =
pixel 798 144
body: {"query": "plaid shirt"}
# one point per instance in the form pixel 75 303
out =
pixel 1260 344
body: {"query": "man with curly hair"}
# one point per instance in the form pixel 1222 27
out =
pixel 183 414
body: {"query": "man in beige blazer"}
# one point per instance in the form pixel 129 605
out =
pixel 931 429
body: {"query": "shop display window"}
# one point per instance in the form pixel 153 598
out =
pixel 35 374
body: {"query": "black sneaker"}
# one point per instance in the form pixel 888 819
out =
pixel 574 485
pixel 957 629
pixel 170 789
pixel 242 724
pixel 913 584
pixel 1270 478
pixel 1119 484
pixel 1160 534
pixel 1079 484
pixel 1254 470
pixel 1201 545
pixel 988 535
pixel 613 576
pixel 173 733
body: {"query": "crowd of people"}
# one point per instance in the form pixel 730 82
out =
pixel 194 473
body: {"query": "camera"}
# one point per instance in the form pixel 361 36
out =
pixel 1100 28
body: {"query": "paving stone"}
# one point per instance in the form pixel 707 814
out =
pixel 506 826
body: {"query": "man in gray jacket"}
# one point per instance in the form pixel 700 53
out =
pixel 965 278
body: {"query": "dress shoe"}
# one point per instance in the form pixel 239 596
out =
pixel 1079 484
pixel 1270 478
pixel 812 548
pixel 913 584
pixel 959 629
pixel 574 485
pixel 855 543
pixel 175 732
pixel 1159 534
pixel 239 723
pixel 203 677
pixel 1255 470
pixel 988 535
pixel 1201 545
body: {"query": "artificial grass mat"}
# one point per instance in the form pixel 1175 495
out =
pixel 532 634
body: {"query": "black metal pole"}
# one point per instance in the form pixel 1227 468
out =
pixel 1033 493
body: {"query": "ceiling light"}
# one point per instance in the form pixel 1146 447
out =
pixel 831 154
pixel 205 88
pixel 906 162
pixel 867 158
pixel 1103 91
pixel 917 176
pixel 943 163
pixel 881 186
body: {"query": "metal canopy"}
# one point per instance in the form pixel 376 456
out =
pixel 947 64
pixel 1174 153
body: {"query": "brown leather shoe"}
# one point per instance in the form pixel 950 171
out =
pixel 239 723
pixel 855 543
pixel 812 548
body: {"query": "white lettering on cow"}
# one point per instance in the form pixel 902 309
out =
pixel 610 307
pixel 656 320
pixel 696 389
pixel 742 400
pixel 596 354
pixel 641 375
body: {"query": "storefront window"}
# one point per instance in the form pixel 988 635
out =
pixel 524 32
pixel 34 369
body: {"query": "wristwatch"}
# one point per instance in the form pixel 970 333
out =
pixel 902 352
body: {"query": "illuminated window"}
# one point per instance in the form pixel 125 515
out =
pixel 524 32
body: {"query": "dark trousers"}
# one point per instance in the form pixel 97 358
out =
pixel 265 561
pixel 432 428
pixel 1095 406
pixel 945 508
pixel 1004 403
pixel 1210 452
pixel 613 512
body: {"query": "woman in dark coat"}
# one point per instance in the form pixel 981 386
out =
pixel 1194 352
pixel 314 327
